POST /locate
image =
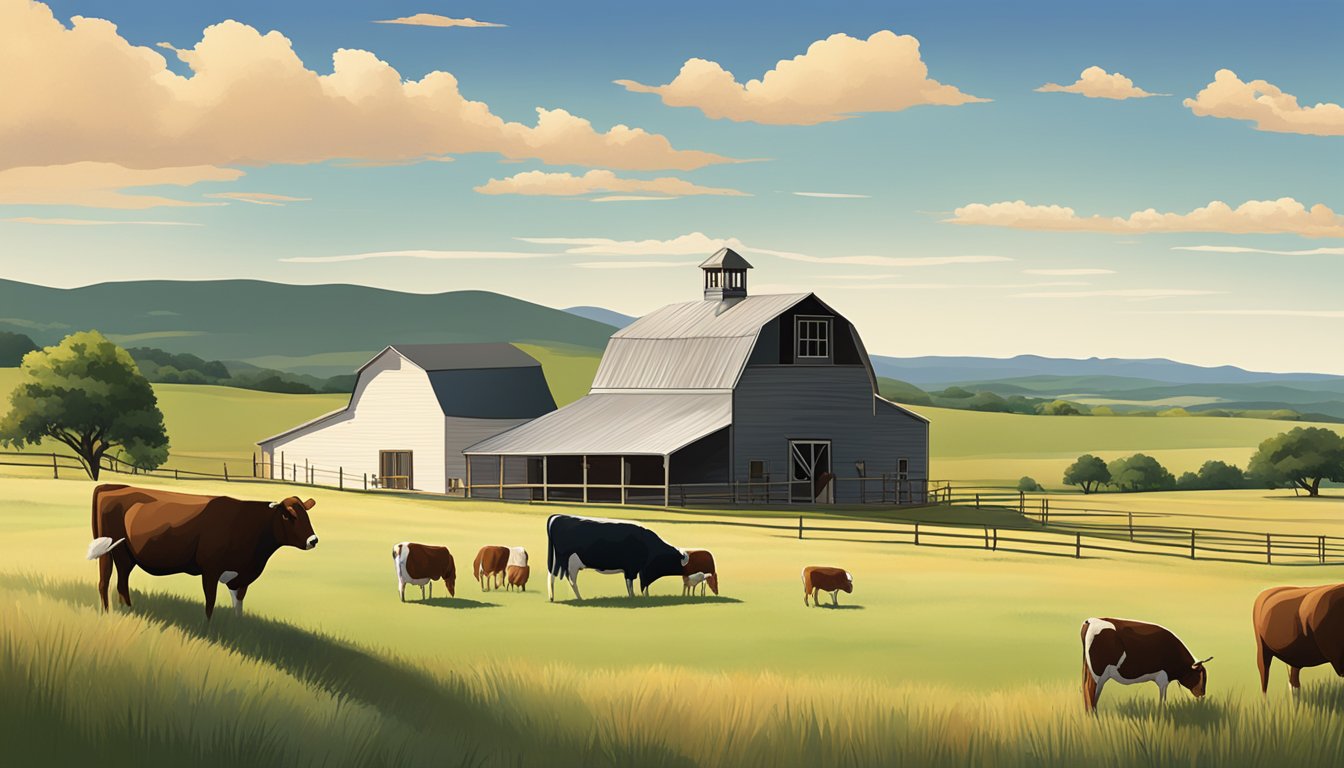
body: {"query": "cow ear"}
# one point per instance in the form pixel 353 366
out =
pixel 309 504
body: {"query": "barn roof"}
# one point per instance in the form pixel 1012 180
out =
pixel 697 345
pixel 631 424
pixel 458 357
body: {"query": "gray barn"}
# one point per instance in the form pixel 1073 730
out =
pixel 731 398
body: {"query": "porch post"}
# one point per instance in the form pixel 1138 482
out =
pixel 585 478
pixel 622 479
pixel 545 480
pixel 501 477
pixel 667 480
pixel 467 492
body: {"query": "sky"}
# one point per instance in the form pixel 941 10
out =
pixel 1150 179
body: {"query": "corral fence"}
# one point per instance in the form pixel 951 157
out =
pixel 1044 525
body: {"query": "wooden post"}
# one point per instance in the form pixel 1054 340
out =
pixel 800 527
pixel 1021 502
pixel 667 482
pixel 55 471
pixel 340 478
pixel 1131 526
pixel 585 479
pixel 175 477
pixel 996 540
pixel 282 467
pixel 622 479
pixel 366 478
pixel 1077 545
pixel 254 463
pixel 977 501
pixel 1269 550
pixel 501 480
pixel 1320 547
pixel 226 471
pixel 986 537
pixel 307 472
pixel 465 493
pixel 1192 543
pixel 916 534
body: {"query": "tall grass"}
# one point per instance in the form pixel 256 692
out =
pixel 158 685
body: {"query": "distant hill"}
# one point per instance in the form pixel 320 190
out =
pixel 327 327
pixel 609 316
pixel 935 371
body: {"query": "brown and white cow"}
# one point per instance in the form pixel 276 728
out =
pixel 1300 626
pixel 823 578
pixel 517 576
pixel 700 561
pixel 489 566
pixel 1131 652
pixel 221 539
pixel 421 564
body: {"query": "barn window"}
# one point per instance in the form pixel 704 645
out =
pixel 813 337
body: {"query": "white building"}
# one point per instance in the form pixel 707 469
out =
pixel 413 410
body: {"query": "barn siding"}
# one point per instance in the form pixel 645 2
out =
pixel 393 408
pixel 777 403
pixel 461 432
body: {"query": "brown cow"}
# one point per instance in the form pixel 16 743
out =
pixel 700 561
pixel 822 578
pixel 489 565
pixel 221 539
pixel 421 564
pixel 1300 626
pixel 517 577
pixel 1130 652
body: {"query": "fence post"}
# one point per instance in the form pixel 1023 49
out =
pixel 996 540
pixel 800 527
pixel 1021 502
pixel 366 481
pixel 1131 526
pixel 175 477
pixel 1077 545
pixel 916 534
pixel 340 478
pixel 1320 546
pixel 1192 543
pixel 55 472
pixel 986 537
pixel 1269 550
pixel 254 464
pixel 226 471
pixel 977 501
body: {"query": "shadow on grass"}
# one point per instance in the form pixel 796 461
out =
pixel 1328 697
pixel 840 607
pixel 1183 710
pixel 452 602
pixel 652 601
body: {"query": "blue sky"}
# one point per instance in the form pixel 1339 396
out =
pixel 982 284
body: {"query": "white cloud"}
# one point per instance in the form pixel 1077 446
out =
pixel 880 261
pixel 568 185
pixel 1240 249
pixel 1266 105
pixel 100 185
pixel 1097 83
pixel 86 93
pixel 1282 216
pixel 1319 313
pixel 1068 272
pixel 97 222
pixel 838 195
pixel 836 79
pixel 435 20
pixel 630 199
pixel 258 198
pixel 635 264
pixel 1137 294
pixel 418 254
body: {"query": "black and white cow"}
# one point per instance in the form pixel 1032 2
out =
pixel 607 546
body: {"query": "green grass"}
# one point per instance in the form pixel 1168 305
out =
pixel 955 657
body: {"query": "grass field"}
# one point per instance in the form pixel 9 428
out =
pixel 941 657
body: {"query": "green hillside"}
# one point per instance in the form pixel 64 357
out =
pixel 250 319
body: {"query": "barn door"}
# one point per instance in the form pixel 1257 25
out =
pixel 808 461
pixel 395 470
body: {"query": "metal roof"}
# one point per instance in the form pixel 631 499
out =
pixel 725 258
pixel 458 357
pixel 698 345
pixel 605 424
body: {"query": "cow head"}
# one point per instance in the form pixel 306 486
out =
pixel 713 581
pixel 663 561
pixel 1197 678
pixel 848 586
pixel 291 525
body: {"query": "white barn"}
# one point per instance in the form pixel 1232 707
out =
pixel 413 410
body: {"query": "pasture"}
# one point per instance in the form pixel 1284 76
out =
pixel 940 657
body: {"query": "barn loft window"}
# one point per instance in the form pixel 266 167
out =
pixel 813 336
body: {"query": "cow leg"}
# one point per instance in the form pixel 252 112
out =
pixel 1096 693
pixel 238 595
pixel 550 587
pixel 629 587
pixel 1162 690
pixel 422 591
pixel 835 597
pixel 209 585
pixel 124 568
pixel 1265 658
pixel 431 590
pixel 574 584
pixel 1294 682
pixel 104 577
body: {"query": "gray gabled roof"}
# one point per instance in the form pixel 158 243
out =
pixel 460 357
pixel 631 424
pixel 725 258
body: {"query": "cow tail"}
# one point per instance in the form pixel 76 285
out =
pixel 476 566
pixel 101 545
pixel 551 555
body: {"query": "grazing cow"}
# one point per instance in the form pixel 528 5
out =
pixel 1130 652
pixel 488 567
pixel 517 577
pixel 221 539
pixel 607 546
pixel 689 583
pixel 822 578
pixel 421 564
pixel 701 561
pixel 1300 626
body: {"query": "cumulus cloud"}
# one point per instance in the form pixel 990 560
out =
pixel 1320 313
pixel 836 79
pixel 1282 216
pixel 258 198
pixel 1241 249
pixel 86 93
pixel 1069 272
pixel 435 20
pixel 97 222
pixel 100 185
pixel 1097 83
pixel 418 254
pixel 1266 105
pixel 568 185
pixel 836 195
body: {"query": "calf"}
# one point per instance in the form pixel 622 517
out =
pixel 689 583
pixel 1300 626
pixel 1130 652
pixel 821 578
pixel 517 577
pixel 701 561
pixel 489 565
pixel 607 546
pixel 421 564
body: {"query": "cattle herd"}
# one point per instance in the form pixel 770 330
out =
pixel 228 541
